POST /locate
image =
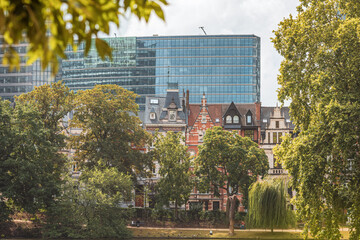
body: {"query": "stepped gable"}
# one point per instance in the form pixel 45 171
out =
pixel 267 113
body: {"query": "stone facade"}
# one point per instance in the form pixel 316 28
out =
pixel 275 123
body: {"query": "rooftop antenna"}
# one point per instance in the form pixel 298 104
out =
pixel 202 28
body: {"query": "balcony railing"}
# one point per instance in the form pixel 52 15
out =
pixel 277 171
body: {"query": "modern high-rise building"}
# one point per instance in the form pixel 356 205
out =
pixel 224 67
pixel 16 82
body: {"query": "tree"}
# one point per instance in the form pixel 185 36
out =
pixel 31 165
pixel 320 75
pixel 50 26
pixel 6 145
pixel 230 162
pixel 111 134
pixel 89 206
pixel 268 206
pixel 32 171
pixel 174 162
pixel 52 102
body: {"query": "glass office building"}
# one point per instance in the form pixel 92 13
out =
pixel 23 80
pixel 224 67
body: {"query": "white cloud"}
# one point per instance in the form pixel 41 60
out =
pixel 259 17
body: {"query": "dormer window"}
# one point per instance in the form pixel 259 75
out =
pixel 228 119
pixel 152 116
pixel 236 119
pixel 248 119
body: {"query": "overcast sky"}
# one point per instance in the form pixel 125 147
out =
pixel 259 17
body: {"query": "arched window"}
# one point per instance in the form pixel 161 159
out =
pixel 228 119
pixel 236 119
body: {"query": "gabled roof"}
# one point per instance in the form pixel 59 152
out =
pixel 214 111
pixel 243 109
pixel 232 107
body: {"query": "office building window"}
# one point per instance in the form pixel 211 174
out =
pixel 277 124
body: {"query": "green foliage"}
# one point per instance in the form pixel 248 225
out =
pixel 174 162
pixel 268 205
pixel 6 146
pixel 225 160
pixel 111 134
pixel 89 207
pixel 320 75
pixel 52 101
pixel 33 166
pixel 50 26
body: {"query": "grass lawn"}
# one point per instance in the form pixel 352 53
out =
pixel 146 233
pixel 239 234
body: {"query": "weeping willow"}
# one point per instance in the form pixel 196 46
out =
pixel 268 205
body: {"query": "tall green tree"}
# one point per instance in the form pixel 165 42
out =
pixel 6 148
pixel 50 26
pixel 320 75
pixel 268 205
pixel 174 161
pixel 31 164
pixel 111 133
pixel 230 162
pixel 33 169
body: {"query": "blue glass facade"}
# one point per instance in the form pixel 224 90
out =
pixel 22 80
pixel 225 67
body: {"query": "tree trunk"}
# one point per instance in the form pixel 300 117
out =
pixel 227 210
pixel 176 210
pixel 232 201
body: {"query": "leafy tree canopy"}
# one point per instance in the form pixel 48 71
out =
pixel 50 26
pixel 6 148
pixel 111 133
pixel 31 164
pixel 32 167
pixel 52 102
pixel 228 161
pixel 320 75
pixel 174 162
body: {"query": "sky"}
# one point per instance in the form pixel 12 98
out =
pixel 259 17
